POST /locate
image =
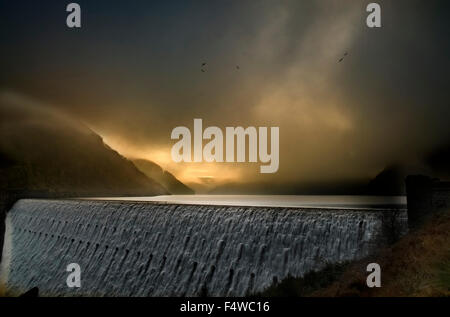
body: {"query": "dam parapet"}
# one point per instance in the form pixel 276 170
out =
pixel 9 196
pixel 154 249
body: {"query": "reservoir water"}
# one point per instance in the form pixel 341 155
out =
pixel 382 202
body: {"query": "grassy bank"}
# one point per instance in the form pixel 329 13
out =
pixel 416 265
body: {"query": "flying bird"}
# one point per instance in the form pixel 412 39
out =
pixel 342 58
pixel 237 67
pixel 203 67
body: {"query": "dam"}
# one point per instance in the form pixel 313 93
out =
pixel 129 248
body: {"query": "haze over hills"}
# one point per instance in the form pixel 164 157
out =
pixel 165 178
pixel 389 181
pixel 42 149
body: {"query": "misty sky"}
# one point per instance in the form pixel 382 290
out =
pixel 132 73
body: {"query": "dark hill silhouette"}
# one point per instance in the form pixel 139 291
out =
pixel 170 182
pixel 390 181
pixel 42 149
pixel 438 161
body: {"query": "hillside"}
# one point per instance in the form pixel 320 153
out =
pixel 42 149
pixel 166 179
pixel 416 265
pixel 439 161
pixel 390 181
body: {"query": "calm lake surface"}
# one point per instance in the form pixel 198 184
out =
pixel 397 202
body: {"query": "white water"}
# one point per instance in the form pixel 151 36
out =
pixel 151 249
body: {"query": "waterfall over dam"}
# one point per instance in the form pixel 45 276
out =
pixel 158 249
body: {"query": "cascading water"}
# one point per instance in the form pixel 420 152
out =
pixel 153 249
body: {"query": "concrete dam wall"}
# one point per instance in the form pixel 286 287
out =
pixel 154 249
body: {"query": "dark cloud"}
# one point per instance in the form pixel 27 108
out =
pixel 132 73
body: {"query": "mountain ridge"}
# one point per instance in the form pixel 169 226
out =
pixel 165 178
pixel 44 149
